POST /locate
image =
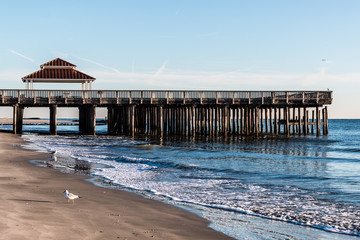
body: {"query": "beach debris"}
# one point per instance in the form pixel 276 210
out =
pixel 81 165
pixel 70 196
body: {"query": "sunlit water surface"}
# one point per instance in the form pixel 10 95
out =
pixel 266 188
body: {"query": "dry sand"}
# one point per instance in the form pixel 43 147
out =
pixel 33 207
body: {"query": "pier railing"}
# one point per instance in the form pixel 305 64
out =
pixel 109 97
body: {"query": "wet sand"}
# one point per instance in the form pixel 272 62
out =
pixel 33 207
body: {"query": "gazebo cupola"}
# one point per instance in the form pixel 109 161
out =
pixel 59 71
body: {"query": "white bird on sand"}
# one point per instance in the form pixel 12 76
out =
pixel 70 196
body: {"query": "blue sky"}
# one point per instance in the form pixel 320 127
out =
pixel 180 44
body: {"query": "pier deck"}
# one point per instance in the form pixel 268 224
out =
pixel 108 97
pixel 182 112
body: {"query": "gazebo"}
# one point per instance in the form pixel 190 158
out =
pixel 59 71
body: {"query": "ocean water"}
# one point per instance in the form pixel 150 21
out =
pixel 297 187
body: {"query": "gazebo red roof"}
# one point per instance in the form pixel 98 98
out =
pixel 58 70
pixel 58 62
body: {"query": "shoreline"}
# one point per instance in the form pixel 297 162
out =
pixel 33 205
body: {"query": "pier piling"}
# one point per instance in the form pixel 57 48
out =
pixel 188 113
pixel 87 119
pixel 53 119
pixel 18 112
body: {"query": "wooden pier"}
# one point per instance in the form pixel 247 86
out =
pixel 189 113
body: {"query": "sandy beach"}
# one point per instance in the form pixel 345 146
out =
pixel 33 206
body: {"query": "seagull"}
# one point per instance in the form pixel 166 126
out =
pixel 70 196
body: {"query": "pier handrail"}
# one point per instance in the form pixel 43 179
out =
pixel 12 96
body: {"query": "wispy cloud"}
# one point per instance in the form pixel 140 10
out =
pixel 235 80
pixel 161 69
pixel 99 64
pixel 61 54
pixel 22 55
